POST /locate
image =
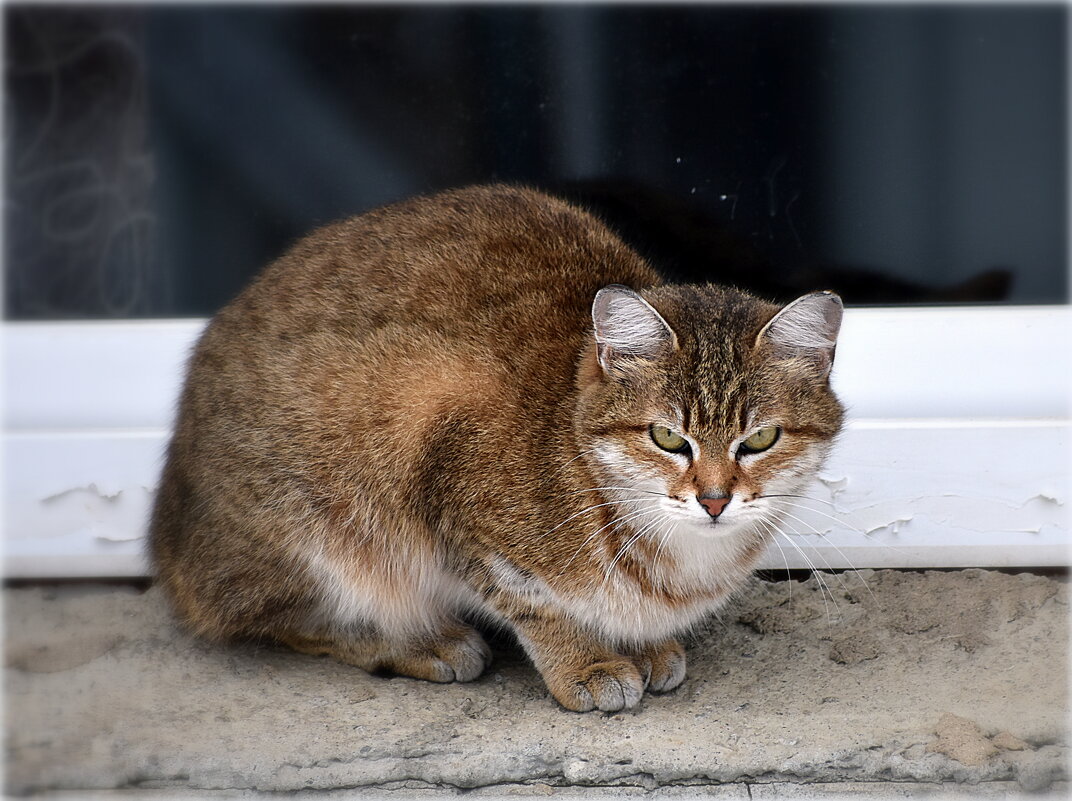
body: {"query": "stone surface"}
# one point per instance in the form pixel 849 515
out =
pixel 762 791
pixel 794 688
pixel 963 740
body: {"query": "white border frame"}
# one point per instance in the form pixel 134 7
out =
pixel 956 453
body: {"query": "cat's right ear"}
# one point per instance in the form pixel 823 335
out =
pixel 627 327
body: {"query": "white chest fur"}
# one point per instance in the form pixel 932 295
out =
pixel 697 578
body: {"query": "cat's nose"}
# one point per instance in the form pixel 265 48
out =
pixel 714 506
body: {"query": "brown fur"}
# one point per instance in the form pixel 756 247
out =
pixel 393 428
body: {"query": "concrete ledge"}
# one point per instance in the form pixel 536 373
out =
pixel 889 684
pixel 839 791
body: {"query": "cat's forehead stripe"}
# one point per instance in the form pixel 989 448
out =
pixel 713 405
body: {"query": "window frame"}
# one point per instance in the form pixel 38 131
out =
pixel 972 401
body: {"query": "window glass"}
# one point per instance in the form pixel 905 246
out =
pixel 157 157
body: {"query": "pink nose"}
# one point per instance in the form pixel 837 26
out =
pixel 714 506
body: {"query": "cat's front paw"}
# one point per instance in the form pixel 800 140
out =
pixel 460 654
pixel 608 686
pixel 663 663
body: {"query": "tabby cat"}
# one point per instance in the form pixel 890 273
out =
pixel 482 405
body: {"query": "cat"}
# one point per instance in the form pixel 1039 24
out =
pixel 482 405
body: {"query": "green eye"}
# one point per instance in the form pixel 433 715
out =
pixel 669 440
pixel 760 441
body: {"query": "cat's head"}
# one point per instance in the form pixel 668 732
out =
pixel 708 402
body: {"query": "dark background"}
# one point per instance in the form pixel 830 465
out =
pixel 158 156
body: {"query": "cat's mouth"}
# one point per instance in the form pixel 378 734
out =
pixel 709 528
pixel 729 522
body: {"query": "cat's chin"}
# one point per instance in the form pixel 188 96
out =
pixel 714 529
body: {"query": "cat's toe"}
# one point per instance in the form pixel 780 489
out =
pixel 606 686
pixel 663 665
pixel 467 655
pixel 668 671
pixel 460 655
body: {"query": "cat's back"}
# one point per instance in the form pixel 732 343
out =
pixel 470 300
pixel 460 262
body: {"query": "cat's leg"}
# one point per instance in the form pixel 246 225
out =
pixel 662 662
pixel 581 672
pixel 454 653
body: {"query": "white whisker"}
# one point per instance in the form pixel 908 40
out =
pixel 619 521
pixel 840 581
pixel 595 506
pixel 785 561
pixel 623 489
pixel 664 537
pixel 814 571
pixel 840 552
pixel 580 455
pixel 801 497
pixel 839 522
pixel 629 543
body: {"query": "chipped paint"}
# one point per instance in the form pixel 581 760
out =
pixel 916 494
pixel 91 489
pixel 1050 495
pixel 108 515
pixel 835 485
pixel 963 495
pixel 894 526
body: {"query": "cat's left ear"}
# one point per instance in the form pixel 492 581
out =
pixel 808 327
pixel 627 327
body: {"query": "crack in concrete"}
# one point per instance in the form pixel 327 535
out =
pixel 420 784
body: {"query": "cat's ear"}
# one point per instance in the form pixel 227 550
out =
pixel 627 327
pixel 808 328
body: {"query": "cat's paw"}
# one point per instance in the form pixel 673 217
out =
pixel 608 686
pixel 460 655
pixel 663 664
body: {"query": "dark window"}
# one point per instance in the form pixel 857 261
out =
pixel 157 157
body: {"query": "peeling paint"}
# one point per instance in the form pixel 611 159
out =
pixel 953 513
pixel 894 493
pixel 1048 495
pixel 893 525
pixel 835 485
pixel 91 489
pixel 106 514
pixel 131 536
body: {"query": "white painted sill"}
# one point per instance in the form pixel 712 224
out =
pixel 956 453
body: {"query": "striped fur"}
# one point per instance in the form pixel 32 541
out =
pixel 431 415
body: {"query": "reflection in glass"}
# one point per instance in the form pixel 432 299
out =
pixel 157 157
